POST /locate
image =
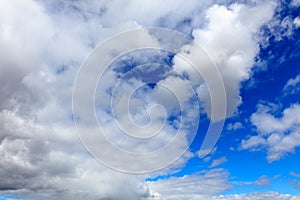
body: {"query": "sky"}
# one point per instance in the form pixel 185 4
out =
pixel 149 100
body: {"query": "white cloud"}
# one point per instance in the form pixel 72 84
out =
pixel 258 196
pixel 295 3
pixel 278 28
pixel 254 143
pixel 219 161
pixel 208 185
pixel 297 22
pixel 202 185
pixel 234 126
pixel 279 135
pixel 292 86
pixel 228 37
pixel 208 154
pixel 293 82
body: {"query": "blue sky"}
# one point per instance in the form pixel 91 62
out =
pixel 91 97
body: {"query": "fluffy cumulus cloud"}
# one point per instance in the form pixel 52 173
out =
pixel 43 44
pixel 280 135
pixel 229 38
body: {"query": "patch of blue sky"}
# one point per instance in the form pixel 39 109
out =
pixel 61 69
pixel 9 197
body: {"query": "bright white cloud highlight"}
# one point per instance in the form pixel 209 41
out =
pixel 280 135
pixel 229 38
pixel 297 22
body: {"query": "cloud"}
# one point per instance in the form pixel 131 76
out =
pixel 254 143
pixel 51 164
pixel 295 3
pixel 257 196
pixel 202 185
pixel 41 156
pixel 207 185
pixel 295 174
pixel 234 126
pixel 296 184
pixel 292 86
pixel 263 181
pixel 228 39
pixel 297 22
pixel 219 161
pixel 43 44
pixel 280 27
pixel 279 135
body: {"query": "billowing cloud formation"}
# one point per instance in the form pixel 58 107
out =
pixel 43 44
pixel 229 38
pixel 279 135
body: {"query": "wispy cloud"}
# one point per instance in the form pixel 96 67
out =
pixel 219 161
